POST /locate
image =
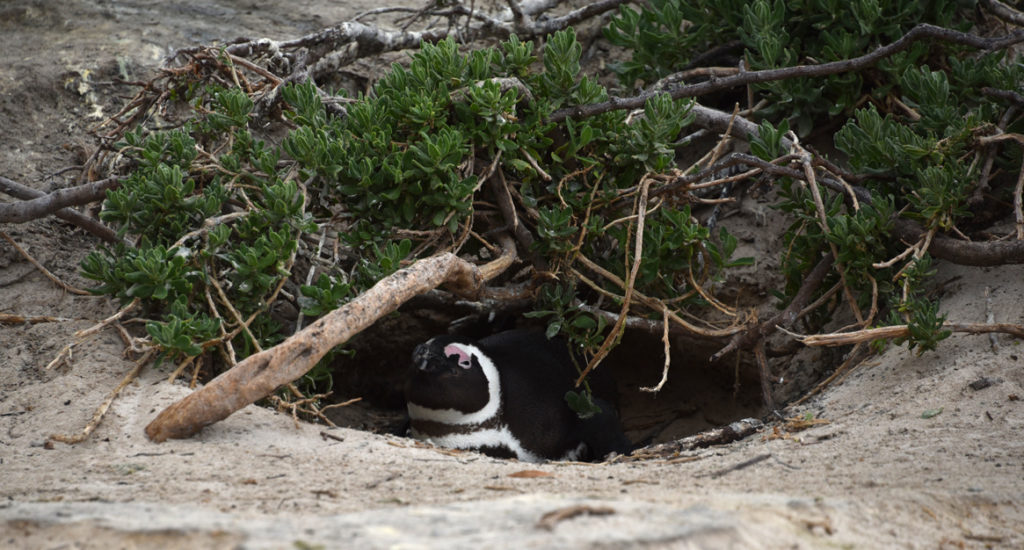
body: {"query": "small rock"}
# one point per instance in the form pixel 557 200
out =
pixel 983 383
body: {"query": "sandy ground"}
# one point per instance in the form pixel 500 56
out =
pixel 878 474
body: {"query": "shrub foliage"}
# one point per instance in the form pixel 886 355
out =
pixel 225 215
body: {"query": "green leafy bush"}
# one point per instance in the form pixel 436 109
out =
pixel 217 215
pixel 910 132
pixel 668 34
pixel 226 216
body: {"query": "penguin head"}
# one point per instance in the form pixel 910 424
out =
pixel 452 381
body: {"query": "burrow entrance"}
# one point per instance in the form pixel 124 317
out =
pixel 697 396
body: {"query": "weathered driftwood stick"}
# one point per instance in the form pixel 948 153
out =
pixel 900 331
pixel 260 374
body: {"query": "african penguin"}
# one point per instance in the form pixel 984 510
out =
pixel 504 395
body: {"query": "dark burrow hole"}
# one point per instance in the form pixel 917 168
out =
pixel 697 396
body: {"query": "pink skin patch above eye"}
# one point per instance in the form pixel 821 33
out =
pixel 463 356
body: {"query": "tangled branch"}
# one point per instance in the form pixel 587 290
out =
pixel 919 33
pixel 258 375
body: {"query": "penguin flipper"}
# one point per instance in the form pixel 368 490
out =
pixel 602 432
pixel 402 428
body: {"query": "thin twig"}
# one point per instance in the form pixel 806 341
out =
pixel 1018 204
pixel 12 319
pixel 549 520
pixel 745 464
pixel 181 367
pixel 902 331
pixel 668 355
pixel 653 303
pixel 638 250
pixel 97 417
pixel 912 249
pixel 819 205
pixel 82 334
pixel 65 354
pixel 990 318
pixel 42 269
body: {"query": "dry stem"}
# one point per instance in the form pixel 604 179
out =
pixel 668 354
pixel 97 417
pixel 902 331
pixel 49 275
pixel 620 323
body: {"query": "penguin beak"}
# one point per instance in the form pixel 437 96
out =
pixel 427 359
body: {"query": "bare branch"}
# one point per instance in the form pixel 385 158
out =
pixel 369 40
pixel 21 212
pixel 1004 12
pixel 1012 97
pixel 920 32
pixel 499 188
pixel 961 252
pixel 540 28
pixel 20 191
pixel 331 48
pixel 902 331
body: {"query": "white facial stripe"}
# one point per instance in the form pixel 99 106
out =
pixel 452 416
pixel 499 437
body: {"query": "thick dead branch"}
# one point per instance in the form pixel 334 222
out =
pixel 722 122
pixel 902 331
pixel 918 33
pixel 1004 12
pixel 21 212
pixel 327 50
pixel 715 436
pixel 260 374
pixel 20 191
pixel 502 196
pixel 366 39
pixel 1007 95
pixel 961 252
pixel 540 28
